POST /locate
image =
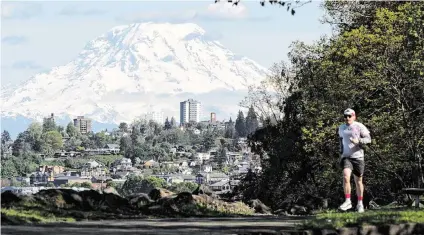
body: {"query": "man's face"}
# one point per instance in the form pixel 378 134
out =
pixel 349 118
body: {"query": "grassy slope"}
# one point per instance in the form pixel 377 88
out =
pixel 336 220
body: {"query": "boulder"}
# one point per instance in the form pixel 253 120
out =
pixel 203 189
pixel 158 193
pixel 259 207
pixel 298 210
pixel 139 200
pixel 8 197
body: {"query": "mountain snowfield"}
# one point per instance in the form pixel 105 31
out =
pixel 128 70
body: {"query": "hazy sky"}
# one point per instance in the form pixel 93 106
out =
pixel 36 36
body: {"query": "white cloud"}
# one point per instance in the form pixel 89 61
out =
pixel 159 16
pixel 221 11
pixel 19 10
pixel 74 11
pixel 226 10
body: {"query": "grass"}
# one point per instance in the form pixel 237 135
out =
pixel 335 220
pixel 33 216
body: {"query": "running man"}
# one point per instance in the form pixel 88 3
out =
pixel 352 136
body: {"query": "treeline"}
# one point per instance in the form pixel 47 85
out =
pixel 373 64
pixel 139 141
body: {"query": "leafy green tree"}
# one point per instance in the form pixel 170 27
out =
pixel 8 168
pixel 123 127
pixel 138 184
pixel 52 141
pixel 71 130
pixel 372 66
pixel 20 146
pixel 33 137
pixel 183 187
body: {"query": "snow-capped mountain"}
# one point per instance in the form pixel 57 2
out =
pixel 122 73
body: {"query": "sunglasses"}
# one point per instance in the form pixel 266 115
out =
pixel 347 116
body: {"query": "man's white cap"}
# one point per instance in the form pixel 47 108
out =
pixel 349 112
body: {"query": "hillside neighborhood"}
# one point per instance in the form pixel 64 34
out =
pixel 205 161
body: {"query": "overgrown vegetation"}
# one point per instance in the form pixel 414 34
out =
pixel 373 64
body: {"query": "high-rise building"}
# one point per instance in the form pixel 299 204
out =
pixel 190 111
pixel 156 116
pixel 83 124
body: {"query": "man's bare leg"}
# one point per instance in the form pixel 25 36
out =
pixel 360 193
pixel 347 189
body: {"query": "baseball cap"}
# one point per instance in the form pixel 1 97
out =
pixel 349 112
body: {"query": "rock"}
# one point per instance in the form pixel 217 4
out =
pixel 203 189
pixel 298 210
pixel 158 193
pixel 139 199
pixel 184 198
pixel 259 207
pixel 111 190
pixel 373 205
pixel 8 198
pixel 281 212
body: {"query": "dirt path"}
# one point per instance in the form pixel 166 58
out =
pixel 187 226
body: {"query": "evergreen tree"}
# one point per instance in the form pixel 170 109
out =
pixel 5 137
pixel 240 125
pixel 167 124
pixel 229 129
pixel 173 123
pixel 221 156
pixel 252 122
pixel 49 125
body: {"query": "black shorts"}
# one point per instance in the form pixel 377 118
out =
pixel 357 166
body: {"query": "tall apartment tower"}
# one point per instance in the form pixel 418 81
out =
pixel 83 124
pixel 156 116
pixel 189 111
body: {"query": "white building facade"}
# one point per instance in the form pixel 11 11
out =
pixel 156 116
pixel 190 111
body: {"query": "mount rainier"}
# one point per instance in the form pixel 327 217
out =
pixel 128 70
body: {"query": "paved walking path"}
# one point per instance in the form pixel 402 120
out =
pixel 190 226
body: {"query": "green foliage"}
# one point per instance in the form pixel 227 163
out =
pixel 335 220
pixel 252 122
pixel 240 125
pixel 183 187
pixel 374 66
pixel 139 184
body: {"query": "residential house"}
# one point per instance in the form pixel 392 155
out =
pixel 93 168
pixel 40 178
pixel 150 164
pixel 221 187
pixel 113 148
pixel 243 167
pixel 52 169
pixel 210 178
pixel 122 164
pixel 176 178
pixel 70 180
